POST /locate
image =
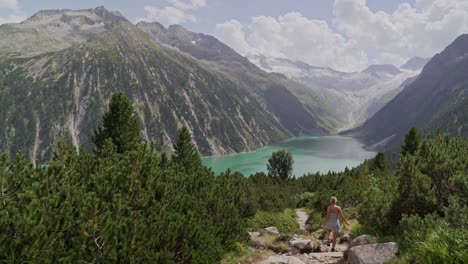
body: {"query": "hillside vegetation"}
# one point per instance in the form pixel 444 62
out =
pixel 127 203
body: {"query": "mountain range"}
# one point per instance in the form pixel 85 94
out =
pixel 59 68
pixel 360 94
pixel 435 99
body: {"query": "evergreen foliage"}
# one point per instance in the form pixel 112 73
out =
pixel 119 125
pixel 280 164
pixel 411 142
pixel 186 154
pixel 138 205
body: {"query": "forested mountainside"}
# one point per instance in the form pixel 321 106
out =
pixel 358 95
pixel 59 68
pixel 436 99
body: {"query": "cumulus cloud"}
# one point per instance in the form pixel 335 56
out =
pixel 295 37
pixel 187 4
pixel 359 35
pixel 9 4
pixel 12 19
pixel 232 32
pixel 422 30
pixel 168 15
pixel 16 13
pixel 175 13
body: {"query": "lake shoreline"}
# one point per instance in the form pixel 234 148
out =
pixel 311 154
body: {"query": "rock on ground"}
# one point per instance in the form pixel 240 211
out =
pixel 282 259
pixel 372 253
pixel 362 240
pixel 300 243
pixel 272 230
pixel 323 258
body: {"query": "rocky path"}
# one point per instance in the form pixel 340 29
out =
pixel 305 248
pixel 302 217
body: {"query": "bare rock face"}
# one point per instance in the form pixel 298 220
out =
pixel 372 253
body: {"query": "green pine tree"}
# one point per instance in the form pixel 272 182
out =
pixel 280 164
pixel 185 153
pixel 120 125
pixel 411 143
pixel 416 195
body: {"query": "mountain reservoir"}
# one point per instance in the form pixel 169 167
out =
pixel 310 154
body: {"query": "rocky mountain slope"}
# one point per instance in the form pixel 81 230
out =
pixel 59 68
pixel 219 57
pixel 436 99
pixel 360 94
pixel 415 63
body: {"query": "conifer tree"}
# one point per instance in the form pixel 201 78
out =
pixel 411 143
pixel 185 153
pixel 280 164
pixel 416 194
pixel 120 125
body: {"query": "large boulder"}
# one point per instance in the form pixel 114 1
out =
pixel 372 253
pixel 299 243
pixel 282 260
pixel 272 230
pixel 362 240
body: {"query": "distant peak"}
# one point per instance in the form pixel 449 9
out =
pixel 151 25
pixel 415 63
pixel 178 28
pixel 382 68
pixel 100 12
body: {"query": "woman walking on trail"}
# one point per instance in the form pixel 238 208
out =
pixel 332 222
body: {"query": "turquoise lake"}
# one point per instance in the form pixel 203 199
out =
pixel 310 154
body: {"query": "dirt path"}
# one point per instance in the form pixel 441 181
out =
pixel 302 217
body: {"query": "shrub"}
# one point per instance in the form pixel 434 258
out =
pixel 315 220
pixel 285 221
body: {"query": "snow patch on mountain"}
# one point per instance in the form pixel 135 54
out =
pixel 364 93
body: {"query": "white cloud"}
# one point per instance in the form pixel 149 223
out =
pixel 9 4
pixel 175 13
pixel 168 15
pixel 16 14
pixel 419 30
pixel 359 35
pixel 12 19
pixel 295 37
pixel 188 4
pixel 232 32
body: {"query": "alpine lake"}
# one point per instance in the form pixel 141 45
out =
pixel 311 154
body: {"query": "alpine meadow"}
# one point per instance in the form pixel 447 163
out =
pixel 328 131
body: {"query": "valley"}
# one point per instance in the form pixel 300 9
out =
pixel 167 134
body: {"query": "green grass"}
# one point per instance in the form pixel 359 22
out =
pixel 285 221
pixel 240 254
pixel 444 244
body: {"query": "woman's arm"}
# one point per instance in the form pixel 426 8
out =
pixel 342 217
pixel 326 217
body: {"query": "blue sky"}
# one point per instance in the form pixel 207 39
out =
pixel 214 12
pixel 347 35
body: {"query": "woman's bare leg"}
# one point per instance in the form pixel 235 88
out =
pixel 335 235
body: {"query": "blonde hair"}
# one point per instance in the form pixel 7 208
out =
pixel 333 200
